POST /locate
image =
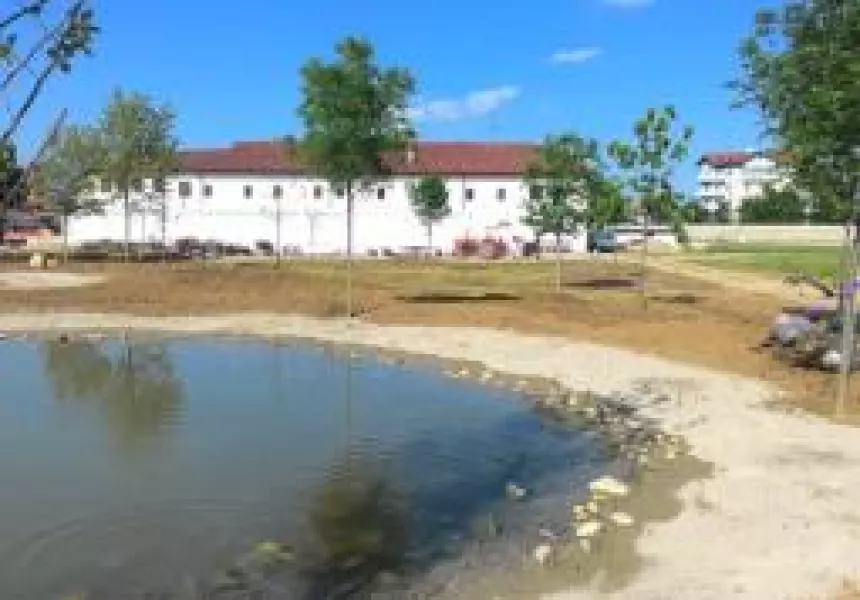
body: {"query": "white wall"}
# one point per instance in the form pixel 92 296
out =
pixel 767 234
pixel 316 225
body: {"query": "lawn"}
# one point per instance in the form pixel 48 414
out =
pixel 822 261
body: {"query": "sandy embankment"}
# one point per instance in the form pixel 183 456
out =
pixel 780 518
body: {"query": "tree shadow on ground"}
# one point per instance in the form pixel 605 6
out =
pixel 457 297
pixel 603 283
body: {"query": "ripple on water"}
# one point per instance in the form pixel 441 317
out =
pixel 112 541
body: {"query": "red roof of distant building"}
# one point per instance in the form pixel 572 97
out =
pixel 726 159
pixel 438 158
pixel 735 158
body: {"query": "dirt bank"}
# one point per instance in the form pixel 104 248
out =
pixel 780 518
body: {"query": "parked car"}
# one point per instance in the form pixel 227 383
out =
pixel 603 240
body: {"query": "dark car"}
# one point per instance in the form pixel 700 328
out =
pixel 602 240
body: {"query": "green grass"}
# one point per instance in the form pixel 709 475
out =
pixel 823 261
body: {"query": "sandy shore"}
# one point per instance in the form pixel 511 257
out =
pixel 780 518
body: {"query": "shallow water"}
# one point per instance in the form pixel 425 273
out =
pixel 158 466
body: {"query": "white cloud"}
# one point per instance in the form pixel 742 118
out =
pixel 473 104
pixel 629 3
pixel 576 56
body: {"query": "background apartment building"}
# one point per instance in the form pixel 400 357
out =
pixel 728 179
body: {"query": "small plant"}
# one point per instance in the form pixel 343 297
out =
pixel 492 248
pixel 466 247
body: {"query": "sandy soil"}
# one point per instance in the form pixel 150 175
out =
pixel 780 518
pixel 46 280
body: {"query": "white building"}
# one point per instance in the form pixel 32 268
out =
pixel 242 193
pixel 727 179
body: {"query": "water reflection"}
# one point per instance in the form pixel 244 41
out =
pixel 372 474
pixel 360 521
pixel 133 385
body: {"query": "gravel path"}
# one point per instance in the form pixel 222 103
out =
pixel 779 519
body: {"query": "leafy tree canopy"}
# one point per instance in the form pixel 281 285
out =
pixel 137 139
pixel 354 112
pixel 774 206
pixel 565 174
pixel 648 163
pixel 13 185
pixel 429 199
pixel 53 52
pixel 64 178
pixel 800 70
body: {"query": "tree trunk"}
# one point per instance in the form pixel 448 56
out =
pixel 164 229
pixel 65 237
pixel 349 216
pixel 643 266
pixel 126 215
pixel 430 238
pixel 848 319
pixel 278 233
pixel 28 103
pixel 558 262
pixel 25 62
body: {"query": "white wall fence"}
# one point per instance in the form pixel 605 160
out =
pixel 318 232
pixel 823 235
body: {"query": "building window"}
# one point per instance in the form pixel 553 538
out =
pixel 207 191
pixel 159 186
pixel 137 185
pixel 247 192
pixel 107 186
pixel 470 194
pixel 318 192
pixel 184 189
pixel 277 192
pixel 501 194
pixel 380 193
pixel 339 192
pixel 535 192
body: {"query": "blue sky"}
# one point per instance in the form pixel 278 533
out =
pixel 485 70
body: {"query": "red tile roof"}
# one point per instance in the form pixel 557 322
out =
pixel 734 158
pixel 439 158
pixel 726 159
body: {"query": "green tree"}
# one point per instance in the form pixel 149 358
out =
pixel 799 69
pixel 137 142
pixel 55 50
pixel 774 206
pixel 64 180
pixel 608 206
pixel 562 178
pixel 429 200
pixel 13 184
pixel 355 116
pixel 648 164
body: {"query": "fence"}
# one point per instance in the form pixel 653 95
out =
pixel 820 235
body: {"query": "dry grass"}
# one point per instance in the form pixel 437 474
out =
pixel 687 318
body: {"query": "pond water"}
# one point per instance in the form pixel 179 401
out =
pixel 180 468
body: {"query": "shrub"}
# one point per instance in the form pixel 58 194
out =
pixel 466 246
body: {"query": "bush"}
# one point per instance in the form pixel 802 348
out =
pixel 492 248
pixel 466 247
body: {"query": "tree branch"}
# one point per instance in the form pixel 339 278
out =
pixel 28 9
pixel 34 51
